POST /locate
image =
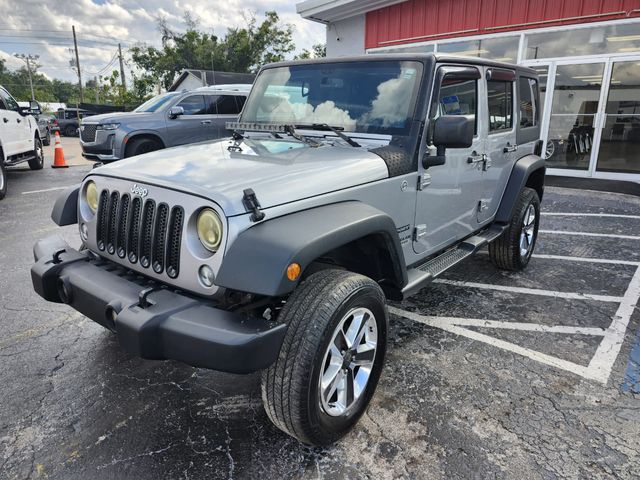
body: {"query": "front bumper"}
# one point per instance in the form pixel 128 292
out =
pixel 103 148
pixel 151 321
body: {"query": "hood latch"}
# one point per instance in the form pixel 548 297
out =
pixel 252 205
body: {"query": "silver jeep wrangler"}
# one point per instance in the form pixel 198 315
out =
pixel 347 182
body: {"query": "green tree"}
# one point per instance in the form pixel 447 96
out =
pixel 319 50
pixel 241 50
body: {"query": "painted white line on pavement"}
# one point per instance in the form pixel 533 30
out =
pixel 602 362
pixel 586 259
pixel 586 234
pixel 577 214
pixel 531 291
pixel 46 190
pixel 524 326
pixel 443 324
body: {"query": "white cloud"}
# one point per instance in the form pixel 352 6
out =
pixel 101 24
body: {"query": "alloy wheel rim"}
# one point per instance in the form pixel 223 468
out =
pixel 2 174
pixel 348 362
pixel 528 232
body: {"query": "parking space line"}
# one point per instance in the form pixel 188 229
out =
pixel 586 259
pixel 443 324
pixel 578 214
pixel 588 234
pixel 524 326
pixel 53 189
pixel 602 362
pixel 531 291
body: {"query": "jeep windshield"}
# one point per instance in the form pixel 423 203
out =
pixel 375 97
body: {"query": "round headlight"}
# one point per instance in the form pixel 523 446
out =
pixel 209 229
pixel 91 195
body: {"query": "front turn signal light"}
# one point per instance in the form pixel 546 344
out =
pixel 293 271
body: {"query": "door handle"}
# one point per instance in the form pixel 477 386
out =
pixel 510 148
pixel 205 122
pixel 18 120
pixel 476 158
pixel 6 120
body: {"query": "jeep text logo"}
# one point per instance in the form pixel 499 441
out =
pixel 138 190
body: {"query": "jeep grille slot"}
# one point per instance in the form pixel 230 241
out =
pixel 121 244
pixel 146 233
pixel 133 230
pixel 159 238
pixel 112 223
pixel 174 239
pixel 102 219
pixel 133 239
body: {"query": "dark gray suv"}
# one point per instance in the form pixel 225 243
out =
pixel 167 120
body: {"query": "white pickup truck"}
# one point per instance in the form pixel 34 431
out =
pixel 19 137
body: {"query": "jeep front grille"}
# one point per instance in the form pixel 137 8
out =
pixel 140 231
pixel 88 132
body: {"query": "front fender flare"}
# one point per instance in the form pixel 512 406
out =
pixel 257 260
pixel 65 210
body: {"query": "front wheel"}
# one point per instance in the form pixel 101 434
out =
pixel 47 138
pixel 513 250
pixel 331 357
pixel 3 178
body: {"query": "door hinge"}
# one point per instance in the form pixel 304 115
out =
pixel 483 205
pixel 419 232
pixel 424 181
pixel 486 165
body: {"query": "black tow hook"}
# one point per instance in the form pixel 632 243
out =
pixel 252 205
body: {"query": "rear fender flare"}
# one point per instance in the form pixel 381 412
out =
pixel 527 171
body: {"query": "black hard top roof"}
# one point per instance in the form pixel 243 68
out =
pixel 428 58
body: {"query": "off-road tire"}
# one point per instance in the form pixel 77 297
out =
pixel 505 251
pixel 290 387
pixel 3 177
pixel 138 146
pixel 70 131
pixel 47 139
pixel 37 162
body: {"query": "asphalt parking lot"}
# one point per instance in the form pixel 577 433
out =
pixel 489 374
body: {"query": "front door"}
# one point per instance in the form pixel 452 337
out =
pixel 11 129
pixel 447 201
pixel 194 125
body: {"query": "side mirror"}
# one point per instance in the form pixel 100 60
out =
pixel 35 107
pixel 454 131
pixel 175 112
pixel 450 131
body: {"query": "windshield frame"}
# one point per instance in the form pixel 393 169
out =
pixel 417 99
pixel 165 97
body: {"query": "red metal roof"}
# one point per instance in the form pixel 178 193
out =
pixel 426 20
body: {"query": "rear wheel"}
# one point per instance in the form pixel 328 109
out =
pixel 47 138
pixel 70 131
pixel 138 146
pixel 37 162
pixel 513 250
pixel 3 178
pixel 331 357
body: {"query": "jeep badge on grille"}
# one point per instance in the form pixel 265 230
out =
pixel 138 190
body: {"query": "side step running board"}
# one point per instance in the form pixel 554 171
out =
pixel 426 272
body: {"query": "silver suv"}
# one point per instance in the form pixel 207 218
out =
pixel 346 183
pixel 167 120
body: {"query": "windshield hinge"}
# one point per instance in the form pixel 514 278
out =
pixel 252 205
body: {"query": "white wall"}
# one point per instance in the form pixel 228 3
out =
pixel 346 37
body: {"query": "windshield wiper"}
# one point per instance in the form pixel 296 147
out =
pixel 271 128
pixel 336 130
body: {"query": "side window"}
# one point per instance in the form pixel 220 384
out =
pixel 458 96
pixel 212 101
pixel 3 105
pixel 8 100
pixel 500 96
pixel 193 105
pixel 529 110
pixel 227 105
pixel 240 101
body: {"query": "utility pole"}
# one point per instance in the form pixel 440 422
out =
pixel 28 59
pixel 75 45
pixel 124 85
pixel 95 81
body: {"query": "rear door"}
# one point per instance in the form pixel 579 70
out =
pixel 10 128
pixel 501 145
pixel 448 194
pixel 194 125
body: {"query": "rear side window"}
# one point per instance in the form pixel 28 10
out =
pixel 240 101
pixel 458 96
pixel 193 105
pixel 529 110
pixel 500 96
pixel 227 105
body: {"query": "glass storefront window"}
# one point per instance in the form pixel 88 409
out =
pixel 575 104
pixel 504 49
pixel 405 49
pixel 583 41
pixel 620 141
pixel 543 75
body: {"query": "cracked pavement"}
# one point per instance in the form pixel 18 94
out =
pixel 74 406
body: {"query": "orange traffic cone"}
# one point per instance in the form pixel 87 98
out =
pixel 58 157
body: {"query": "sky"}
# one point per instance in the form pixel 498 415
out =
pixel 43 28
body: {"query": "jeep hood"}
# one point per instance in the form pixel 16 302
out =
pixel 278 170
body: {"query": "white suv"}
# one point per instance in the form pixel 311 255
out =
pixel 19 137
